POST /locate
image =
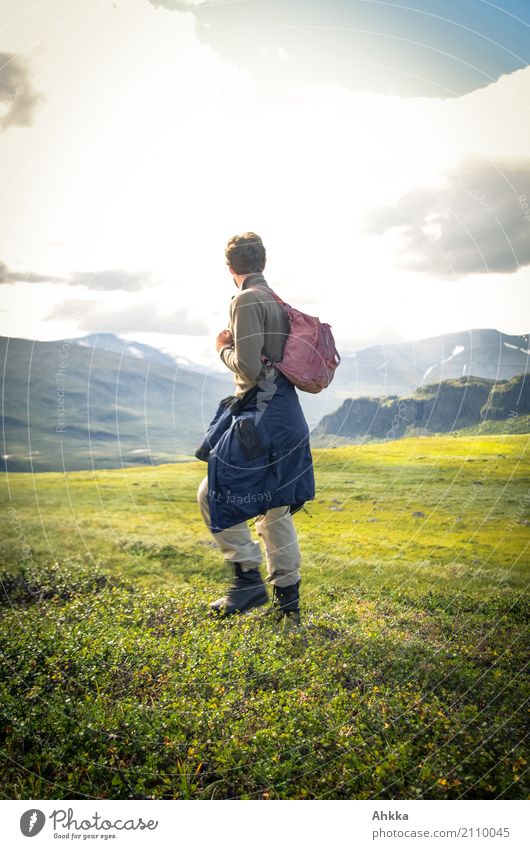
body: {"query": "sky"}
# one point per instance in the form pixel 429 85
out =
pixel 380 149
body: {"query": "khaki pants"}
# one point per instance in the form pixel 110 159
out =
pixel 276 529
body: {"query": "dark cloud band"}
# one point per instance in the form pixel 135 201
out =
pixel 16 93
pixel 478 223
pixel 106 280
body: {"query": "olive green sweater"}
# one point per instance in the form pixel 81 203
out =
pixel 259 326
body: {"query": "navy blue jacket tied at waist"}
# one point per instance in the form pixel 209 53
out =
pixel 258 454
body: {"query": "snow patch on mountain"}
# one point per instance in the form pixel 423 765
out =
pixel 516 347
pixel 131 351
pixel 454 353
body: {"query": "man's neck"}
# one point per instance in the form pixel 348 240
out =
pixel 251 278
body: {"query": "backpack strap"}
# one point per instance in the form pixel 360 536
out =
pixel 273 293
pixel 277 298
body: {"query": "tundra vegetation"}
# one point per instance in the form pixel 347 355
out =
pixel 406 679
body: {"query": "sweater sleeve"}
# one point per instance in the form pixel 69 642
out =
pixel 247 326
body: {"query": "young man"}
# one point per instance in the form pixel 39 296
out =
pixel 257 446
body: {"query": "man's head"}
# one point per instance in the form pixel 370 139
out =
pixel 245 254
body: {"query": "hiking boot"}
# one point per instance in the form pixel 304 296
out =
pixel 246 591
pixel 286 603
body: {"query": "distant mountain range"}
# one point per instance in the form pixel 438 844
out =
pixel 101 401
pixel 115 345
pixel 451 405
pixel 400 368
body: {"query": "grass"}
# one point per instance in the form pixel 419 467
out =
pixel 406 680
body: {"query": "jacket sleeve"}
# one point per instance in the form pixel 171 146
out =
pixel 247 326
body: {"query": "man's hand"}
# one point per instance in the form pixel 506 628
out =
pixel 224 338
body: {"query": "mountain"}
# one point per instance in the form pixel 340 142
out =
pixel 443 407
pixel 100 403
pixel 401 367
pixel 397 368
pixel 124 347
pixel 115 345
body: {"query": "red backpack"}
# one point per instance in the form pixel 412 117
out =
pixel 309 356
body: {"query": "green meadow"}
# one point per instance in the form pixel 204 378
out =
pixel 406 679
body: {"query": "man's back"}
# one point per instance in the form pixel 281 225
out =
pixel 259 326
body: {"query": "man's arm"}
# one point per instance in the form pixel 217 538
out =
pixel 247 324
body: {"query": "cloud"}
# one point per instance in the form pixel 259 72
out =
pixel 7 276
pixel 140 317
pixel 17 96
pixel 477 222
pixel 106 280
pixel 112 279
